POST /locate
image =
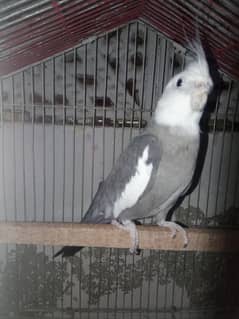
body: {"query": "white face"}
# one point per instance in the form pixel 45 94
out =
pixel 194 83
pixel 185 96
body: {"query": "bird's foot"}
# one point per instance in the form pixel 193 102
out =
pixel 174 227
pixel 131 228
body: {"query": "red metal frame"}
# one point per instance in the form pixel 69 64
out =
pixel 61 27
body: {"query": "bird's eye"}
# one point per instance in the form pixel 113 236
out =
pixel 179 82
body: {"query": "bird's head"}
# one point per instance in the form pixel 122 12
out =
pixel 185 95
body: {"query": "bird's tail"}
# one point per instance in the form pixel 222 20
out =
pixel 91 216
pixel 67 251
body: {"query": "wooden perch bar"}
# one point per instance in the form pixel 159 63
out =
pixel 150 237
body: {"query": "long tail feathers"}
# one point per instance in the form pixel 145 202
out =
pixel 68 251
pixel 91 216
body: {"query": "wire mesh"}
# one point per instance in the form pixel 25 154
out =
pixel 63 123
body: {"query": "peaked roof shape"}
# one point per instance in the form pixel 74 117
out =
pixel 32 30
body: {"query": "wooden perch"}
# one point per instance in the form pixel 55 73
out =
pixel 150 237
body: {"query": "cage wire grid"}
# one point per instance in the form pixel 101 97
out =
pixel 64 122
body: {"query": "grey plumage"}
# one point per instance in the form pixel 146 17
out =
pixel 176 168
pixel 101 208
pixel 157 166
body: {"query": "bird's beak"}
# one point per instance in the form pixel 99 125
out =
pixel 205 87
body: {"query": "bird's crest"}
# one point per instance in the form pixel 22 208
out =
pixel 200 64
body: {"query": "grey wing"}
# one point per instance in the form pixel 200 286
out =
pixel 132 176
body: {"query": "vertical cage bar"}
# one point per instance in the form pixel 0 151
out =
pixel 33 144
pixel 2 153
pixel 198 197
pixel 83 154
pixel 183 287
pixel 64 133
pixel 171 61
pixel 154 74
pixel 236 187
pixel 53 170
pixel 222 148
pixel 126 53
pixel 212 156
pixel 116 92
pixel 134 84
pixel 198 200
pixel 93 121
pixel 93 157
pixel 23 145
pixel 232 136
pixel 189 196
pixel 103 168
pixel 164 59
pixel 184 253
pixel 131 131
pixel 44 177
pixel 53 139
pixel 116 284
pixel 175 254
pixel 44 140
pixel 99 283
pixel 14 149
pixel 166 255
pixel 149 284
pixel 63 168
pixel 83 163
pixel 64 165
pixel 3 166
pixel 73 110
pixel 33 160
pixel 104 108
pixel 125 89
pixel 83 131
pixel 104 133
pixel 125 281
pixel 116 253
pixel 109 281
pixel 90 281
pixel 160 255
pixel 142 107
pixel 74 135
pixel 73 164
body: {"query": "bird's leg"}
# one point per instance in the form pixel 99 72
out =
pixel 131 228
pixel 174 227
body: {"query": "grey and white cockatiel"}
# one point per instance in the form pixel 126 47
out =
pixel 157 166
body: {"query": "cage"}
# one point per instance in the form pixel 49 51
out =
pixel 80 79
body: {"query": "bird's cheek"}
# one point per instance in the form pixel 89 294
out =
pixel 199 100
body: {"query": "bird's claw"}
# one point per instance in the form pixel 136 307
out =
pixel 174 228
pixel 131 228
pixel 185 245
pixel 173 233
pixel 134 250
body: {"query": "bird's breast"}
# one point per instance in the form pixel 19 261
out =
pixel 176 167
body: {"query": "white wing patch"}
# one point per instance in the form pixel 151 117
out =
pixel 136 186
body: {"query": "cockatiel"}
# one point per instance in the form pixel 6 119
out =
pixel 157 166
